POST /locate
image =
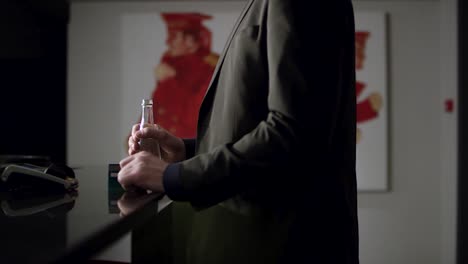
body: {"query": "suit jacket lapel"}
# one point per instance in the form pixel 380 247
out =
pixel 226 47
pixel 201 129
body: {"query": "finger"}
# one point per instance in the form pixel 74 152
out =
pixel 132 152
pixel 133 146
pixel 123 198
pixel 125 161
pixel 122 208
pixel 130 146
pixel 123 177
pixel 151 132
pixel 135 128
pixel 133 138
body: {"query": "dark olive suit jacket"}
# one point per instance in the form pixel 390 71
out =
pixel 276 129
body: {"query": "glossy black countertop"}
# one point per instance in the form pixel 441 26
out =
pixel 71 227
pixel 75 228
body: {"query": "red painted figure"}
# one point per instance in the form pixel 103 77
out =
pixel 369 107
pixel 184 73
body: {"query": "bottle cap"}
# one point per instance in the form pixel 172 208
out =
pixel 147 102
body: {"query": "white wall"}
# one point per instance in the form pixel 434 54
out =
pixel 415 221
pixel 404 226
pixel 449 139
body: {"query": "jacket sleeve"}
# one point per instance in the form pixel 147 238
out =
pixel 302 57
pixel 189 147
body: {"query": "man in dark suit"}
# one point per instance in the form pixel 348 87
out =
pixel 276 131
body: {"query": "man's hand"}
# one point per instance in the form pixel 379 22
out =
pixel 172 148
pixel 142 170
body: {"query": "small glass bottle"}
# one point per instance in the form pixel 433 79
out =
pixel 147 119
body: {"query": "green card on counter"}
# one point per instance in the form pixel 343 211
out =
pixel 115 190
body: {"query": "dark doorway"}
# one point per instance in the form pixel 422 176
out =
pixel 33 52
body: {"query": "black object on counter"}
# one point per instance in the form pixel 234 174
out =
pixel 27 173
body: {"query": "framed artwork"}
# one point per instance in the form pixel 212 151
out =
pixel 170 56
pixel 372 101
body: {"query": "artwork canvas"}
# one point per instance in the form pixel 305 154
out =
pixel 372 101
pixel 170 56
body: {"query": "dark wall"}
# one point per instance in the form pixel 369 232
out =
pixel 33 50
pixel 462 229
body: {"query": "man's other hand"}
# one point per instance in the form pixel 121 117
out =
pixel 172 148
pixel 142 170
